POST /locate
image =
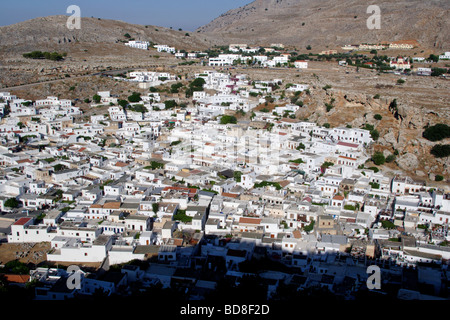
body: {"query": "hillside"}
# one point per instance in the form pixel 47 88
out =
pixel 322 23
pixel 52 30
pixel 98 45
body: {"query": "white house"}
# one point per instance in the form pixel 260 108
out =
pixel 445 56
pixel 400 63
pixel 138 44
pixel 68 249
pixel 301 64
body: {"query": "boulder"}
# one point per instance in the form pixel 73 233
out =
pixel 408 161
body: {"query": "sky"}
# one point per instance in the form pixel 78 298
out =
pixel 185 14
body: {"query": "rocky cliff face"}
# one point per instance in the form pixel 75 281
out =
pixel 322 23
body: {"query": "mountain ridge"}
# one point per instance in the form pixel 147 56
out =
pixel 327 23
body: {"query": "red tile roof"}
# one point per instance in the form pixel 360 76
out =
pixel 17 278
pixel 244 220
pixel 22 221
pixel 230 195
pixel 346 144
pixel 121 164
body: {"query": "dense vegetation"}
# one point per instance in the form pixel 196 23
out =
pixel 54 56
pixel 226 119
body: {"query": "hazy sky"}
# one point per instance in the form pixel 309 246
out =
pixel 185 14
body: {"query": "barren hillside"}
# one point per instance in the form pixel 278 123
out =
pixel 52 30
pixel 323 23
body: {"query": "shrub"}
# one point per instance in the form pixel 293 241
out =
pixel 123 103
pixel 438 178
pixel 437 132
pixel 441 150
pixel 378 158
pixel 135 97
pixel 309 227
pixel 170 104
pixel 390 158
pixel 301 146
pixel 375 134
pixel 54 56
pixel 436 72
pixel 387 224
pixel 182 217
pixel 349 207
pixel 96 98
pixel 11 203
pixel 374 185
pixel 378 117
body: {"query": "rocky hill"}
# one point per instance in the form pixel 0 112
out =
pixel 98 45
pixel 52 30
pixel 323 23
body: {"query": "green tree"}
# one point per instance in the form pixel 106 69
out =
pixel 237 176
pixel 375 134
pixel 96 98
pixel 378 158
pixel 436 72
pixel 433 58
pixel 11 203
pixel 135 97
pixel 437 132
pixel 441 150
pixel 17 267
pixel 390 158
pixel 226 119
pixel 170 104
pixel 123 103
